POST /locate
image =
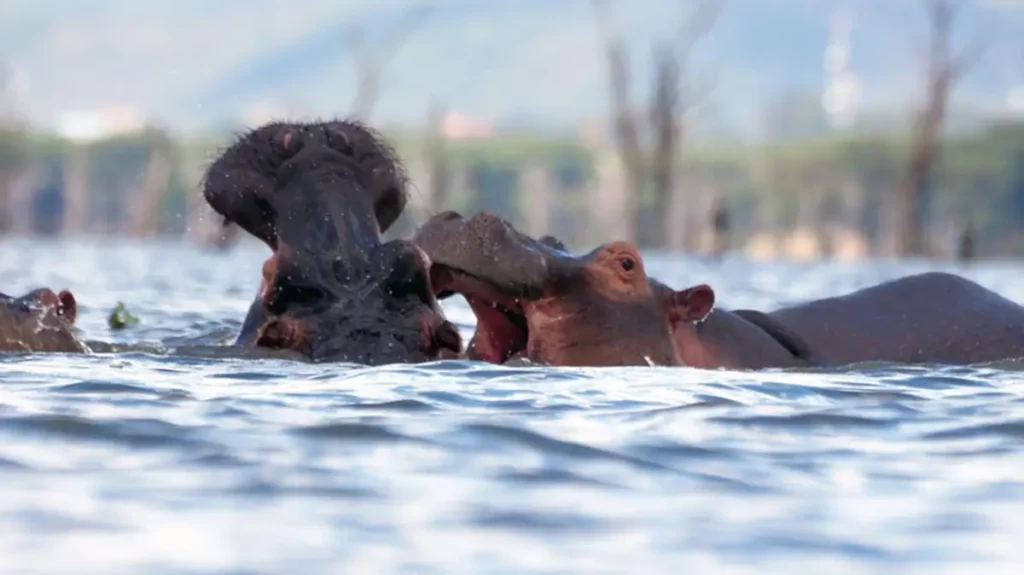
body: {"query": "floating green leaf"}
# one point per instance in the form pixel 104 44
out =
pixel 121 318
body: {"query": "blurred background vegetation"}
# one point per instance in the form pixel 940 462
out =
pixel 783 128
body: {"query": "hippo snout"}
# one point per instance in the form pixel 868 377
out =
pixel 490 249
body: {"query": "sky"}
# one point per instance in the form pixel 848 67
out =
pixel 194 63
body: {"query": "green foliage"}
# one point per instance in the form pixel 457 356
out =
pixel 14 148
pixel 121 318
pixel 973 175
pixel 978 174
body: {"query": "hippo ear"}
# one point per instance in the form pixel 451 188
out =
pixel 68 307
pixel 63 304
pixel 692 304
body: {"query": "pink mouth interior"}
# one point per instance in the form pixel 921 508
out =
pixel 501 327
pixel 501 333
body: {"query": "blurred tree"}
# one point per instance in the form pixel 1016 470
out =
pixel 437 158
pixel 1015 192
pixel 796 115
pixel 943 71
pixel 370 64
pixel 674 92
pixel 14 157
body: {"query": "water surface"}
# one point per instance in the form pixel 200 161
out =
pixel 180 459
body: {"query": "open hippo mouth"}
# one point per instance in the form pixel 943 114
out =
pixel 502 273
pixel 534 299
pixel 502 330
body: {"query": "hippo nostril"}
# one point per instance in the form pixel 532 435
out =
pixel 339 141
pixel 288 143
pixel 409 272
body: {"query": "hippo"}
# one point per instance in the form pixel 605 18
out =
pixel 320 195
pixel 39 321
pixel 932 317
pixel 535 300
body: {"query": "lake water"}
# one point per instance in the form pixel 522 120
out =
pixel 192 462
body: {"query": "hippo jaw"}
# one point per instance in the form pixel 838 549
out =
pixel 501 273
pixel 372 312
pixel 502 327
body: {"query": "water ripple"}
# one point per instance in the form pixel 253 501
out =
pixel 167 452
pixel 132 433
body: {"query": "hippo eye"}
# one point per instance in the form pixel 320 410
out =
pixel 627 263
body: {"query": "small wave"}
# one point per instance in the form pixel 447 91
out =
pixel 548 445
pixel 140 433
pixel 532 521
pixel 114 388
pixel 41 520
pixel 548 476
pixel 806 420
pixel 261 488
pixel 9 464
pixel 1011 429
pixel 217 460
pixel 497 403
pixel 354 432
pixel 401 405
pixel 679 450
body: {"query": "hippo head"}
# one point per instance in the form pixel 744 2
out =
pixel 320 195
pixel 535 300
pixel 40 320
pixel 241 183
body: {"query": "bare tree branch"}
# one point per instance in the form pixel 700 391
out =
pixel 697 24
pixel 943 72
pixel 408 24
pixel 694 27
pixel 370 64
pixel 437 160
pixel 666 128
pixel 968 59
pixel 625 124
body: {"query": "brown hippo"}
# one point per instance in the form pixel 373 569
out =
pixel 40 320
pixel 320 195
pixel 533 299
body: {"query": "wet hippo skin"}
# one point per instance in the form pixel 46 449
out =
pixel 933 317
pixel 534 299
pixel 320 195
pixel 39 321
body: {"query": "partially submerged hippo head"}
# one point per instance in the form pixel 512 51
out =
pixel 40 320
pixel 320 195
pixel 533 299
pixel 241 184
